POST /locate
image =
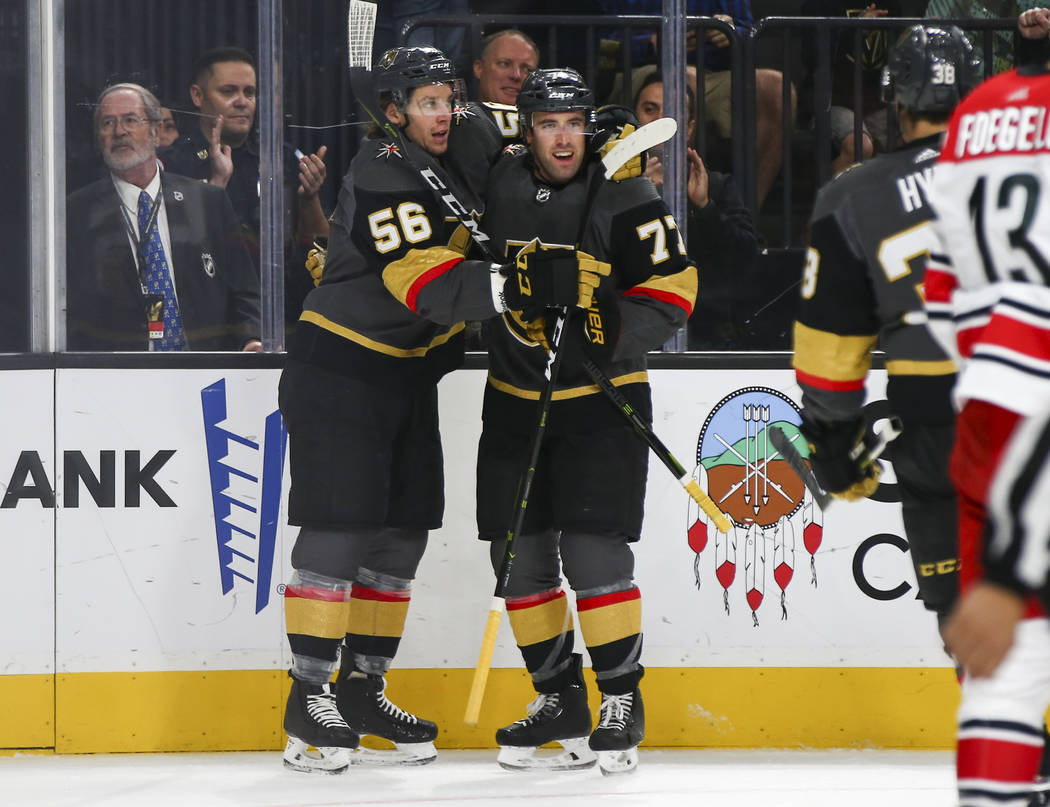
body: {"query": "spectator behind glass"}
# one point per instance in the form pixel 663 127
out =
pixel 223 150
pixel 167 130
pixel 874 47
pixel 108 304
pixel 507 57
pixel 1002 41
pixel 391 15
pixel 567 45
pixel 769 107
pixel 720 232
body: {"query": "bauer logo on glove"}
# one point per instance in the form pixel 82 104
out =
pixel 551 278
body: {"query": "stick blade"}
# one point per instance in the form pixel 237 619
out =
pixel 652 134
pixel 782 443
pixel 360 30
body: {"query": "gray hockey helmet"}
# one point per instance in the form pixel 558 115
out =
pixel 559 89
pixel 930 69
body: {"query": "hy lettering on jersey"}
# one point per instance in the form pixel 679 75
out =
pixel 245 477
pixel 914 189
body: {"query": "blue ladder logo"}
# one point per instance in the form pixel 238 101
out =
pixel 246 507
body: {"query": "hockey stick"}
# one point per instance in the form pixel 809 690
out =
pixel 782 443
pixel 655 132
pixel 645 432
pixel 361 25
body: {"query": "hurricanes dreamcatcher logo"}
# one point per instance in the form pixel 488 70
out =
pixel 767 503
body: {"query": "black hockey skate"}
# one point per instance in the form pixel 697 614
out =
pixel 312 720
pixel 621 726
pixel 562 717
pixel 364 704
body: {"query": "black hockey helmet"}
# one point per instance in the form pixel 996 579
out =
pixel 560 89
pixel 400 70
pixel 930 69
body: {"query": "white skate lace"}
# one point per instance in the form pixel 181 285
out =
pixel 539 703
pixel 615 711
pixel 323 710
pixel 392 709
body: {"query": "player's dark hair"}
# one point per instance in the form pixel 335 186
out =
pixel 656 77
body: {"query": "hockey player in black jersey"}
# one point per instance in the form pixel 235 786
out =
pixel 585 508
pixel 870 238
pixel 359 398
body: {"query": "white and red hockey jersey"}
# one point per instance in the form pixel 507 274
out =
pixel 988 283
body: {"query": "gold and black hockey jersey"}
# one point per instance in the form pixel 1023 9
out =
pixel 862 287
pixel 652 282
pixel 351 323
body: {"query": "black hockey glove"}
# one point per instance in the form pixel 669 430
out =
pixel 840 457
pixel 551 278
pixel 613 124
pixel 593 333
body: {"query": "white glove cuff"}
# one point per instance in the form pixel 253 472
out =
pixel 499 298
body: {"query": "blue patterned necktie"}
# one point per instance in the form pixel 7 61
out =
pixel 158 280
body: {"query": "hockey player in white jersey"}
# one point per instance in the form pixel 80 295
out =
pixel 988 297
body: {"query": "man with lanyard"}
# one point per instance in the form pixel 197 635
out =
pixel 151 261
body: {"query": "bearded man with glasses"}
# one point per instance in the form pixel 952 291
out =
pixel 153 262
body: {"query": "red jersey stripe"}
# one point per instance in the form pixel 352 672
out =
pixel 426 277
pixel 827 384
pixel 938 285
pixel 1023 337
pixel 662 296
pixel 998 760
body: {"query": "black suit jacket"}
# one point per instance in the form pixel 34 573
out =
pixel 216 282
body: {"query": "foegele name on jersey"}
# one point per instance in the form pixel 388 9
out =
pixel 1012 129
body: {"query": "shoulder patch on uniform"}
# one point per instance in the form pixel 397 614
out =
pixel 461 113
pixel 926 154
pixel 202 154
pixel 388 150
pixel 514 149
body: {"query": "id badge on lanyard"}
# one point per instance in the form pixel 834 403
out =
pixel 154 315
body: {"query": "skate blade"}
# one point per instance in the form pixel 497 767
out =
pixel 401 754
pixel 613 763
pixel 304 758
pixel 576 755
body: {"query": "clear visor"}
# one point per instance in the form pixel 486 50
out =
pixel 431 101
pixel 554 128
